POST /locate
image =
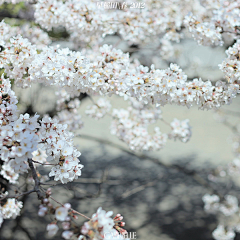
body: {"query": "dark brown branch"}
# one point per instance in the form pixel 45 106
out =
pixel 18 196
pixel 36 187
pixel 36 179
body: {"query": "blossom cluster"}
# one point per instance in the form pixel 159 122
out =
pixel 8 173
pixel 68 114
pixel 18 50
pixel 57 142
pixel 39 156
pixel 180 130
pixel 207 20
pixel 18 135
pixel 167 50
pixel 99 109
pixel 130 126
pixel 33 33
pixel 23 138
pixel 110 72
pixel 16 59
pixel 88 22
pixel 206 33
pixel 227 15
pixel 101 225
pixel 221 17
pixel 11 209
pixel 81 17
pixel 231 65
pixel 229 208
pixel 221 232
pixel 62 214
pixel 23 142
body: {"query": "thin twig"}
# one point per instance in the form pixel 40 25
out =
pixel 233 113
pixel 99 106
pixel 232 127
pixel 18 196
pixel 102 180
pixel 85 180
pixel 117 43
pixel 166 122
pixel 44 163
pixel 74 211
pixel 138 189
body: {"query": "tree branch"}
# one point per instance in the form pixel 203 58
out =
pixel 36 179
pixel 44 163
pixel 138 189
pixel 74 211
pixel 18 196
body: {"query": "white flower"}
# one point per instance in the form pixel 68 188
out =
pixel 11 209
pixel 61 213
pixel 59 147
pixel 67 234
pixel 132 127
pixel 52 229
pixel 221 233
pixel 230 206
pixel 8 173
pixel 99 110
pixel 211 202
pixel 39 156
pixel 181 130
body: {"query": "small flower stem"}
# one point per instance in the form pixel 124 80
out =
pixel 44 163
pixel 74 211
